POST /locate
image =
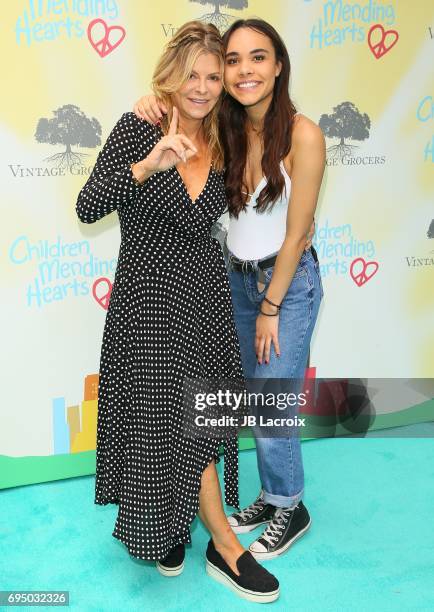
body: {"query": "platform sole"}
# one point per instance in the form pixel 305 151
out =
pixel 169 572
pixel 255 596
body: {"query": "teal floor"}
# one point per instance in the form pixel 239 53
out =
pixel 370 547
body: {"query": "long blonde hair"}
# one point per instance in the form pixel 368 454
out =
pixel 174 68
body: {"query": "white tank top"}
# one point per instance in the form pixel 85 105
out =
pixel 256 235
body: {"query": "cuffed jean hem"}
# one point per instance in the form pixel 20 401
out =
pixel 280 501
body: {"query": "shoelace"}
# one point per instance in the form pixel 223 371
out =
pixel 251 510
pixel 275 528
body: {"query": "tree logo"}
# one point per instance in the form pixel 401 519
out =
pixel 219 231
pixel 416 261
pixel 219 19
pixel 69 127
pixel 346 123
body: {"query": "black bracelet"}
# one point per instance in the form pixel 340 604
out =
pixel 266 314
pixel 272 303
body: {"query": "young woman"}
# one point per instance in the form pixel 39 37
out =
pixel 170 290
pixel 275 161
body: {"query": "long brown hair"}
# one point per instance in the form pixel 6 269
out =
pixel 278 122
pixel 174 68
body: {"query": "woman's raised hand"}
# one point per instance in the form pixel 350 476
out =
pixel 150 108
pixel 170 150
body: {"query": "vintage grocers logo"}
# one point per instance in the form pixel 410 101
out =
pixel 217 17
pixel 66 130
pixel 422 261
pixel 346 125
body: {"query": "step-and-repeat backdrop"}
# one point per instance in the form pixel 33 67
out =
pixel 362 70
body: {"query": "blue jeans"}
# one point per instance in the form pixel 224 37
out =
pixel 279 459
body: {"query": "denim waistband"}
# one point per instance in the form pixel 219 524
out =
pixel 253 263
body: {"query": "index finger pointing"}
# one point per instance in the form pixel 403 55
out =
pixel 173 127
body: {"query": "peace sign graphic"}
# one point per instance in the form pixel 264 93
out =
pixel 104 39
pixel 101 291
pixel 380 41
pixel 361 271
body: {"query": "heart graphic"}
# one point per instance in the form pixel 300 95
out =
pixel 102 296
pixel 99 37
pixel 361 271
pixel 379 45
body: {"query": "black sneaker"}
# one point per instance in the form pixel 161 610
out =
pixel 285 527
pixel 254 583
pixel 173 564
pixel 258 513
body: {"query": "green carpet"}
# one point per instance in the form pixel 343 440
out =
pixel 370 547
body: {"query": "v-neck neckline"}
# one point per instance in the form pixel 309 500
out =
pixel 193 202
pixel 282 167
pixel 258 185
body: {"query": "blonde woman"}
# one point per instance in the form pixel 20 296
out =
pixel 170 318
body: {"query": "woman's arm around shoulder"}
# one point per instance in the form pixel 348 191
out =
pixel 111 184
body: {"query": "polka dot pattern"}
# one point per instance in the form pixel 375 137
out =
pixel 170 317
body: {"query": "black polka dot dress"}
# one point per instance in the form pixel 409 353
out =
pixel 170 317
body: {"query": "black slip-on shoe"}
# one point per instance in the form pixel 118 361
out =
pixel 173 564
pixel 258 513
pixel 254 583
pixel 284 529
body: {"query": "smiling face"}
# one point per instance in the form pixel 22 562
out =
pixel 251 68
pixel 200 93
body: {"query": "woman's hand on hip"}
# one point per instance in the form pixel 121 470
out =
pixel 150 108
